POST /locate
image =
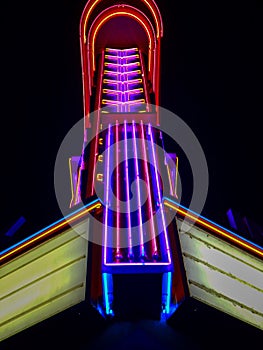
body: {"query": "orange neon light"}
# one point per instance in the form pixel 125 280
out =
pixel 119 14
pixel 155 17
pixel 53 229
pixel 153 10
pixel 214 228
pixel 86 19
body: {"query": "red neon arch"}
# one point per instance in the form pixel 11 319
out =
pixel 126 11
pixel 91 5
pixel 154 50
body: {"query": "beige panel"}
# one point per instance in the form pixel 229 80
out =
pixel 226 262
pixel 222 275
pixel 228 286
pixel 43 281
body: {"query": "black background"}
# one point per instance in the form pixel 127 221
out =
pixel 210 77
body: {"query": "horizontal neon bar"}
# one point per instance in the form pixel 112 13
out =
pixel 131 91
pixel 109 64
pixel 121 57
pixel 118 103
pixel 49 229
pixel 132 81
pixel 121 50
pixel 243 242
pixel 139 264
pixel 122 73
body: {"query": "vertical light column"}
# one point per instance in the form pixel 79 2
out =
pixel 118 255
pixel 160 203
pixel 130 251
pixel 142 252
pixel 153 234
pixel 106 193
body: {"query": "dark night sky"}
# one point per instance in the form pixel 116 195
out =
pixel 210 78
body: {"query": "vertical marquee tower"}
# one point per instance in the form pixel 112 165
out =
pixel 120 50
pixel 139 260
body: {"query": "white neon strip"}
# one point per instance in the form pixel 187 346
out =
pixel 106 195
pixel 159 195
pixel 117 190
pixel 142 253
pixel 110 64
pixel 127 189
pixel 149 189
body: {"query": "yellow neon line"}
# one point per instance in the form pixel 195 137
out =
pixel 77 186
pixel 64 223
pixel 86 20
pixel 71 183
pixel 176 176
pixel 213 228
pixel 154 15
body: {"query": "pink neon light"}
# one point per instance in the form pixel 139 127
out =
pixel 106 195
pixel 159 194
pixel 127 190
pixel 142 253
pixel 149 189
pixel 118 254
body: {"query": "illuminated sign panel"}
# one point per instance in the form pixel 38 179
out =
pixel 222 275
pixel 43 281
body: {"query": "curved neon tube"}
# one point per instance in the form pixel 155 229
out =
pixel 119 13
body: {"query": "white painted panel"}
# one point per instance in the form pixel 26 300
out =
pixel 227 306
pixel 223 275
pixel 222 261
pixel 223 284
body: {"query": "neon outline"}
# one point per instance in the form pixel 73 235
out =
pixel 214 227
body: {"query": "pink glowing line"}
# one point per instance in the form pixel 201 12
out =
pixel 109 64
pixel 135 72
pixel 127 189
pixel 130 91
pixel 111 57
pixel 159 195
pixel 139 264
pixel 149 189
pixel 132 81
pixel 138 188
pixel 121 50
pixel 118 187
pixel 106 196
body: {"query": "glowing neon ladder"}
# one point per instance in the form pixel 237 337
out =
pixel 122 89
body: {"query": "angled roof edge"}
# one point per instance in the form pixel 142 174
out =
pixel 48 231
